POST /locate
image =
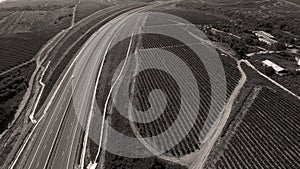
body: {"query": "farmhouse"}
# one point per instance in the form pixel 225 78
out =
pixel 265 37
pixel 278 69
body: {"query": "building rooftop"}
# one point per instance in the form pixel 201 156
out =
pixel 263 34
pixel 273 65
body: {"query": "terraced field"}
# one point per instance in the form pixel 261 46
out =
pixel 268 136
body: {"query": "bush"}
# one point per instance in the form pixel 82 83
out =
pixel 269 71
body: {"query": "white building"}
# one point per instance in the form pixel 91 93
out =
pixel 265 37
pixel 263 34
pixel 278 69
pixel 267 41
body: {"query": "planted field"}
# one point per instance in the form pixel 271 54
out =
pixel 196 17
pixel 150 80
pixel 17 49
pixel 25 31
pixel 267 137
pixel 115 162
pixel 118 122
pixel 4 14
pixel 28 5
pixel 85 9
pixel 34 21
pixel 294 1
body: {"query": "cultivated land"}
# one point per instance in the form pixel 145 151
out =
pixel 54 68
pixel 24 31
pixel 262 114
pixel 20 50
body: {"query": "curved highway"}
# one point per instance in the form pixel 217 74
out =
pixel 56 139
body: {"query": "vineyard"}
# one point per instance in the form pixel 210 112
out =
pixel 4 14
pixel 150 80
pixel 85 9
pixel 17 49
pixel 290 82
pixel 268 136
pixel 27 29
pixel 196 17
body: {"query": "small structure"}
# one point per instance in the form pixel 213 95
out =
pixel 297 58
pixel 265 37
pixel 278 69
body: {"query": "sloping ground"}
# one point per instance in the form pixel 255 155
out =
pixel 12 89
pixel 34 5
pixel 31 21
pixel 84 9
pixel 267 137
pixel 190 143
pixel 294 1
pixel 4 14
pixel 17 49
pixel 24 32
pixel 196 17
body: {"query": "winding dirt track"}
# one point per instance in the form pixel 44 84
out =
pixel 206 147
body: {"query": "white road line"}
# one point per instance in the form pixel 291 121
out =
pixel 57 132
pixel 81 107
pixel 273 81
pixel 58 87
pixel 31 116
pixel 106 103
pixel 76 84
pixel 73 18
pixel 69 155
pixel 94 98
pixel 109 94
pixel 43 136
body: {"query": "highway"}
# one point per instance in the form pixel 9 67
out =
pixel 56 139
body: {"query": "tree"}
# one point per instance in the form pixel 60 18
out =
pixel 269 71
pixel 278 46
pixel 158 165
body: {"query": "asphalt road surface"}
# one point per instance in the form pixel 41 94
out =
pixel 57 144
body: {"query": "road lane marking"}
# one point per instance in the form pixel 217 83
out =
pixel 43 136
pixel 55 92
pixel 76 84
pixel 111 90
